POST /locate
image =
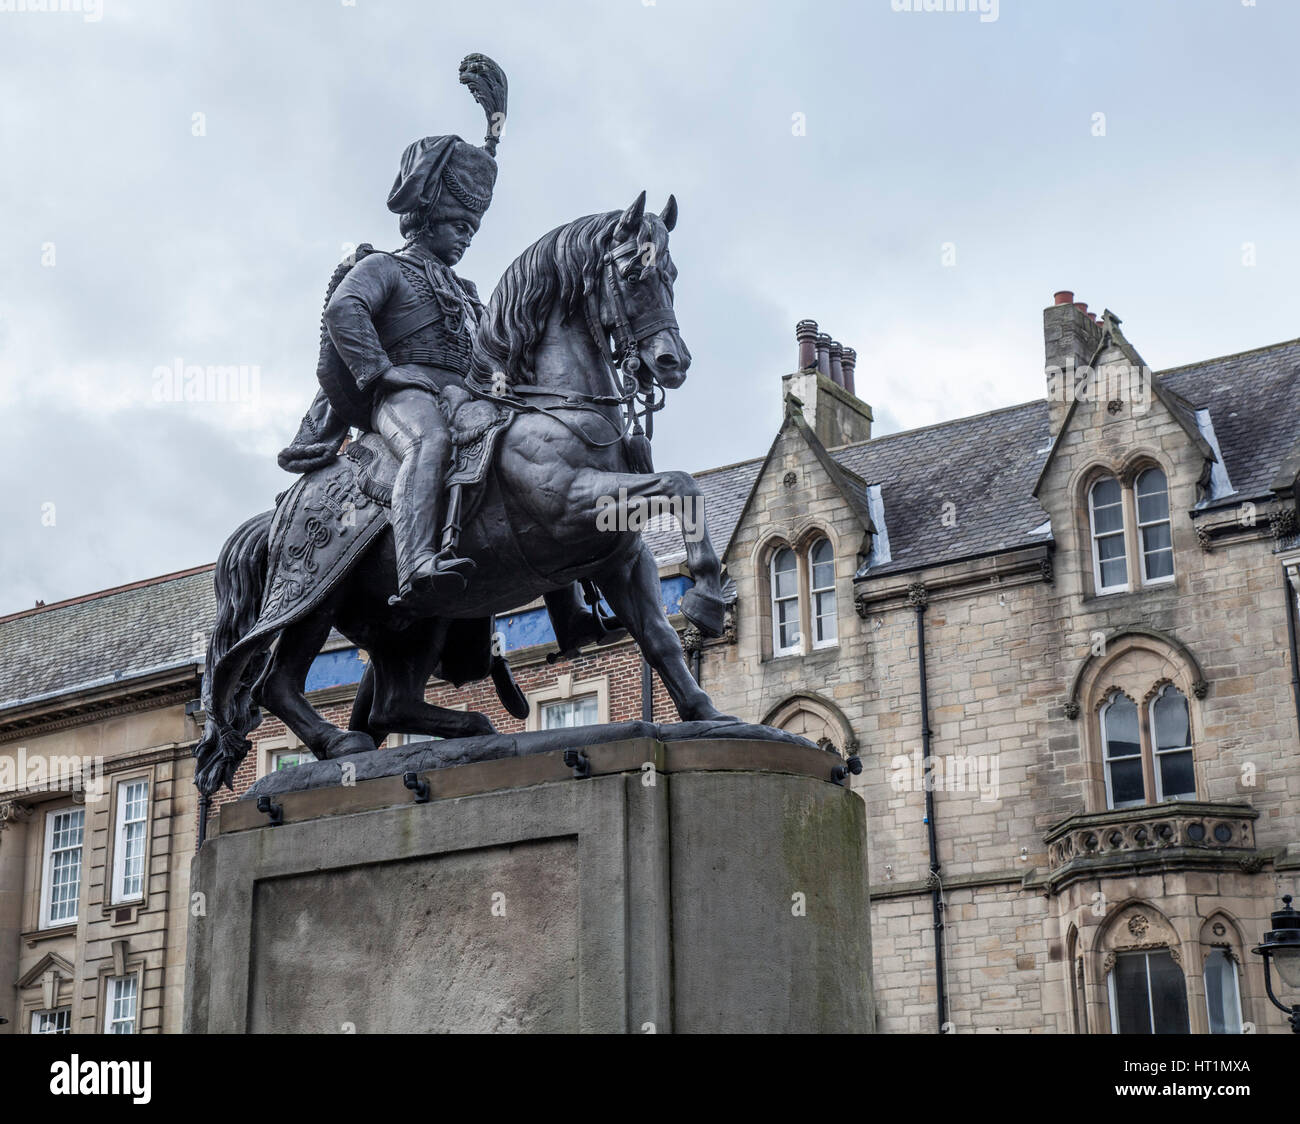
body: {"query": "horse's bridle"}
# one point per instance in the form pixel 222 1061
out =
pixel 622 361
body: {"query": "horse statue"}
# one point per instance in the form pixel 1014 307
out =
pixel 547 439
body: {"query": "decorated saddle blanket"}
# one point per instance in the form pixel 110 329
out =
pixel 324 522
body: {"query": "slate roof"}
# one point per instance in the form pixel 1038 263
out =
pixel 105 637
pixel 985 465
pixel 1254 401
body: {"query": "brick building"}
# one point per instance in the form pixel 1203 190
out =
pixel 1060 636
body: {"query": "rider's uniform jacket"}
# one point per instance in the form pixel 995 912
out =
pixel 405 310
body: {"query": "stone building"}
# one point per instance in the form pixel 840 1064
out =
pixel 98 811
pixel 1059 636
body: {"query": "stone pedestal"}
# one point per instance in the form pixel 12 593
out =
pixel 697 885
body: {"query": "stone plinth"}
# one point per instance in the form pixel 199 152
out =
pixel 697 885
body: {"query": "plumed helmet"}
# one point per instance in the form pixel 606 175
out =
pixel 465 171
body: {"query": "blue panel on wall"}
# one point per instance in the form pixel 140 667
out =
pixel 522 630
pixel 335 669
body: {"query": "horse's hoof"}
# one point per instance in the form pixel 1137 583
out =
pixel 344 743
pixel 704 610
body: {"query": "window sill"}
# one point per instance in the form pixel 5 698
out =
pixel 33 937
pixel 1127 596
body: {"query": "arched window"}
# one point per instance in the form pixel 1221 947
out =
pixel 1147 994
pixel 1154 529
pixel 1222 993
pixel 821 565
pixel 1171 733
pixel 1122 743
pixel 786 636
pixel 1106 514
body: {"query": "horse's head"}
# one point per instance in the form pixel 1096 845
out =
pixel 636 297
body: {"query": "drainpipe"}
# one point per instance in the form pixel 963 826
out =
pixel 647 691
pixel 919 598
pixel 204 805
pixel 1291 639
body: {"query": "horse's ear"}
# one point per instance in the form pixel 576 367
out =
pixel 670 213
pixel 630 224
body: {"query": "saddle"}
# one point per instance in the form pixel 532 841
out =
pixel 475 425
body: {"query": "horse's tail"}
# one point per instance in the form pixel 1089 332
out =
pixel 228 684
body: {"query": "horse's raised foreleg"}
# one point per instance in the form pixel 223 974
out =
pixel 402 663
pixel 282 690
pixel 632 590
pixel 625 501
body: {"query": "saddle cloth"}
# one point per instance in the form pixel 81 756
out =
pixel 331 515
pixel 475 425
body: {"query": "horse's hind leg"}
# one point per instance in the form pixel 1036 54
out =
pixel 403 662
pixel 365 697
pixel 282 690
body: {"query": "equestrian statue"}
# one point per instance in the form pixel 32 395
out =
pixel 492 440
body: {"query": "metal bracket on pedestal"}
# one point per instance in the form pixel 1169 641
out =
pixel 268 807
pixel 840 773
pixel 419 787
pixel 578 761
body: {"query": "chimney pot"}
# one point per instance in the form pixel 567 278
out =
pixel 806 333
pixel 848 360
pixel 837 360
pixel 1064 296
pixel 1082 306
pixel 824 354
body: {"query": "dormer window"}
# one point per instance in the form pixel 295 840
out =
pixel 786 638
pixel 1153 526
pixel 804 607
pixel 1131 532
pixel 821 561
pixel 1106 509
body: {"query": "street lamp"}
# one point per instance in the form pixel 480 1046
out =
pixel 1282 947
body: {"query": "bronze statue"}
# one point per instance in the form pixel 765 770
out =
pixel 522 412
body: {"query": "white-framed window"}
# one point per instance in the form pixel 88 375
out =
pixel 821 593
pixel 129 839
pixel 1154 529
pixel 120 1008
pixel 1222 993
pixel 786 634
pixel 56 1021
pixel 564 714
pixel 1122 748
pixel 1171 733
pixel 1106 518
pixel 61 870
pixel 1147 994
pixel 288 758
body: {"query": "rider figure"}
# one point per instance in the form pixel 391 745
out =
pixel 441 192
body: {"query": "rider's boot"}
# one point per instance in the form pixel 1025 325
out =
pixel 422 573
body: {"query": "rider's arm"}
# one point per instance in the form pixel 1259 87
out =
pixel 350 317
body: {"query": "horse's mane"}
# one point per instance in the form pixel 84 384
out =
pixel 559 269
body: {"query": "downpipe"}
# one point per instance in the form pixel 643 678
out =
pixel 919 600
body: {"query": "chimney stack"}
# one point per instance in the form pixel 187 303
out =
pixel 806 333
pixel 837 360
pixel 1070 337
pixel 824 385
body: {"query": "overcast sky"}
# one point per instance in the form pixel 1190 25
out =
pixel 823 155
